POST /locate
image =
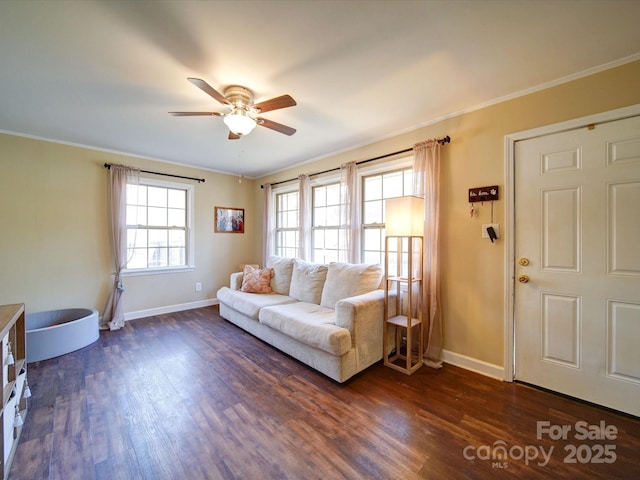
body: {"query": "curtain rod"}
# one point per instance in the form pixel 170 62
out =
pixel 441 141
pixel 199 180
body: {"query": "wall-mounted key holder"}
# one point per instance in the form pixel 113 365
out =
pixel 485 194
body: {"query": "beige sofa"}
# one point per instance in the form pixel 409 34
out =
pixel 329 317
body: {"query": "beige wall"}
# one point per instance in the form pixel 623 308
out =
pixel 473 268
pixel 54 241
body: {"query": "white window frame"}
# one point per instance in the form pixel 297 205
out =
pixel 342 248
pixel 277 229
pixel 189 230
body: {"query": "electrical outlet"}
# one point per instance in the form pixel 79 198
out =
pixel 496 228
pixel 198 286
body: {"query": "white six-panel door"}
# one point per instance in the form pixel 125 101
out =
pixel 577 236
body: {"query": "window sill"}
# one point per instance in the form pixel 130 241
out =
pixel 157 271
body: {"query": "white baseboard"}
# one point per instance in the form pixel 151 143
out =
pixel 473 364
pixel 169 309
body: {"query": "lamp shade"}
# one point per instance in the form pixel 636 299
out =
pixel 239 122
pixel 404 217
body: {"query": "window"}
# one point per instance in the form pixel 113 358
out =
pixel 393 179
pixel 287 219
pixel 329 240
pixel 159 219
pixel 375 189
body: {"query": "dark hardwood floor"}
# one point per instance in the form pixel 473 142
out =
pixel 190 396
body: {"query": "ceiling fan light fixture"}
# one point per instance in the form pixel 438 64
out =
pixel 239 122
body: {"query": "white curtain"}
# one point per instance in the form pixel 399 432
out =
pixel 304 216
pixel 350 211
pixel 426 170
pixel 268 225
pixel 113 317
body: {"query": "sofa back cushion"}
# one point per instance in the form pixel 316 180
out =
pixel 282 271
pixel 348 280
pixel 255 280
pixel 307 281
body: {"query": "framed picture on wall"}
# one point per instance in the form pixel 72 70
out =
pixel 229 220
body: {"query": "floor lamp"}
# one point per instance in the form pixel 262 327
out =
pixel 404 230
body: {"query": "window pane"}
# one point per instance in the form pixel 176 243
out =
pixel 333 194
pixel 372 240
pixel 132 217
pixel 136 194
pixel 318 239
pixel 177 238
pixel 176 257
pixel 157 257
pixel 157 217
pixel 373 212
pixel 320 217
pixel 372 188
pixel 292 220
pixel 408 182
pixel 319 196
pixel 292 201
pixel 331 239
pixel 158 238
pixel 157 196
pixel 290 239
pixel 177 217
pixel 177 198
pixel 136 237
pixel 393 184
pixel 333 216
pixel 373 257
pixel 138 258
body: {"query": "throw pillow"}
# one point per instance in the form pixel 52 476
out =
pixel 347 280
pixel 307 281
pixel 282 270
pixel 255 280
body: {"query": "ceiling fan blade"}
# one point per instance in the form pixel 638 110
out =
pixel 193 114
pixel 283 101
pixel 278 127
pixel 233 136
pixel 209 90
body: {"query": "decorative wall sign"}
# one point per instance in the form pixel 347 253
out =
pixel 483 194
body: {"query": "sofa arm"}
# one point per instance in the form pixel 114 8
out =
pixel 235 281
pixel 356 312
pixel 363 316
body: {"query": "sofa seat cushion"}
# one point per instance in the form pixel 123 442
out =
pixel 250 304
pixel 310 324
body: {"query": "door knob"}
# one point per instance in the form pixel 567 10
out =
pixel 523 278
pixel 523 261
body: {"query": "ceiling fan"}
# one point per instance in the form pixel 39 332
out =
pixel 242 116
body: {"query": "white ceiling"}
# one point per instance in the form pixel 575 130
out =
pixel 104 74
